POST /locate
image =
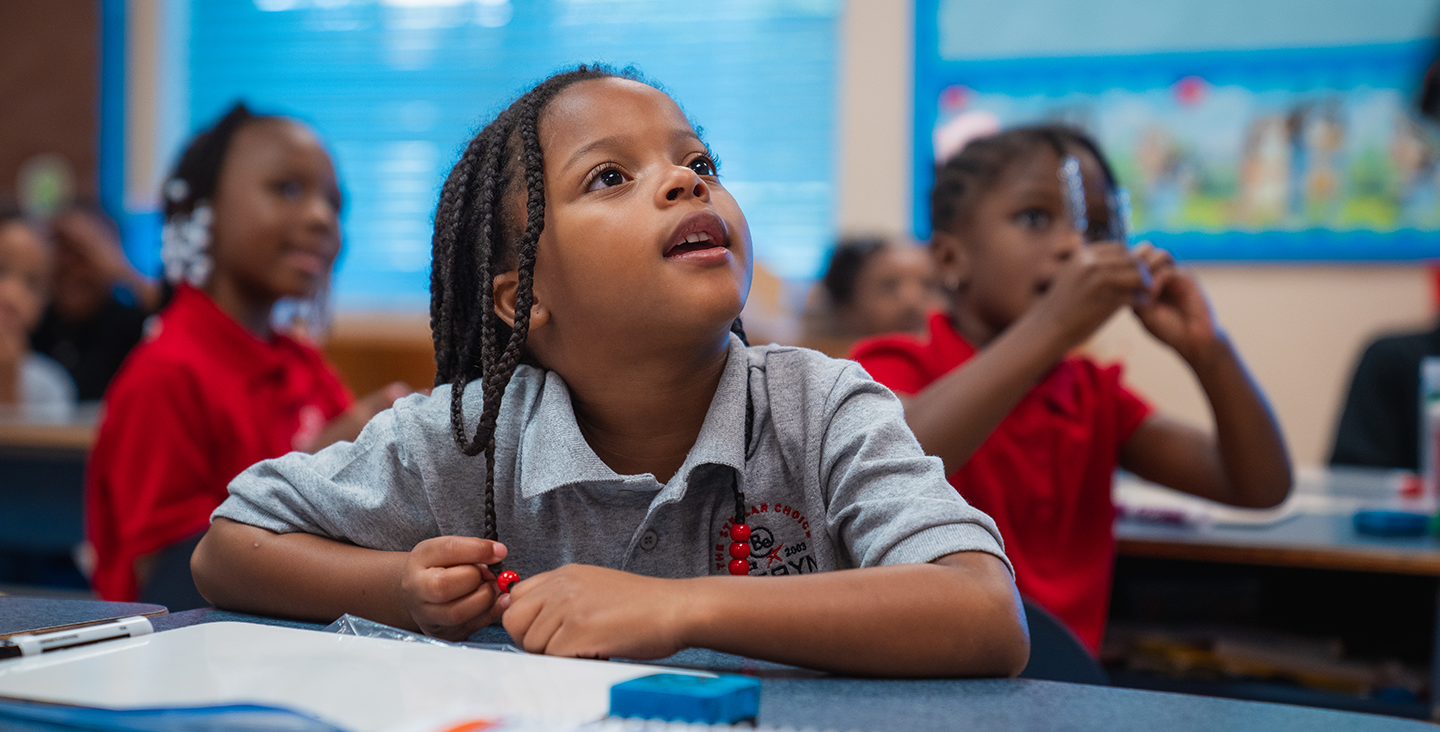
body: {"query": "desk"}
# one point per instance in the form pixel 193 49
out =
pixel 42 478
pixel 806 699
pixel 1319 534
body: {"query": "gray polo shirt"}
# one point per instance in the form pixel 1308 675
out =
pixel 834 479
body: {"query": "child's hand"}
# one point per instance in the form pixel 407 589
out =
pixel 448 586
pixel 592 612
pixel 1176 311
pixel 1095 282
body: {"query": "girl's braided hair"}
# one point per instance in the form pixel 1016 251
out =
pixel 960 181
pixel 477 237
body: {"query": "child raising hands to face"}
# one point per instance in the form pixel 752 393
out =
pixel 1025 287
pixel 596 412
pixel 30 383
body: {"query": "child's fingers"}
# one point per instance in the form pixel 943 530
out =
pixel 473 609
pixel 449 551
pixel 521 616
pixel 444 584
pixel 462 617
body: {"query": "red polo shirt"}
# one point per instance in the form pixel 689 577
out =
pixel 1044 474
pixel 197 402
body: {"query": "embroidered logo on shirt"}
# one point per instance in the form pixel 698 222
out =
pixel 312 421
pixel 779 542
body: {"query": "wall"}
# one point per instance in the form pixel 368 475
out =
pixel 1299 328
pixel 49 81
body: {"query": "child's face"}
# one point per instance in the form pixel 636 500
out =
pixel 25 268
pixel 894 291
pixel 276 231
pixel 627 183
pixel 1015 240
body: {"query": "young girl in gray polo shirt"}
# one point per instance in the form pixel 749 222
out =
pixel 656 483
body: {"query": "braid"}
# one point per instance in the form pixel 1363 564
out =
pixel 960 180
pixel 474 242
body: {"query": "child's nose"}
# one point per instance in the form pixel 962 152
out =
pixel 685 183
pixel 1068 242
pixel 321 212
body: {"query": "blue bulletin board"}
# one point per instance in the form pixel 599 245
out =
pixel 1273 154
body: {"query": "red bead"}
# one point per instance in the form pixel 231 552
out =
pixel 739 550
pixel 739 532
pixel 739 566
pixel 506 579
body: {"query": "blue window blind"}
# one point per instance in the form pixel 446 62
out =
pixel 398 87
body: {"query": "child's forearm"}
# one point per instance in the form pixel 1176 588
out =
pixel 952 417
pixel 959 616
pixel 1250 446
pixel 249 569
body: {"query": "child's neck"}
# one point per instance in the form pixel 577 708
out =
pixel 250 311
pixel 973 328
pixel 642 414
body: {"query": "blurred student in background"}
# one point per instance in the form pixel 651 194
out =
pixel 29 382
pixel 252 217
pixel 100 302
pixel 1380 424
pixel 872 285
pixel 1025 287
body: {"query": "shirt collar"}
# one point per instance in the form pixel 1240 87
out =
pixel 553 454
pixel 220 335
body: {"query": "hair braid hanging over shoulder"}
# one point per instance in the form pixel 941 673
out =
pixel 475 241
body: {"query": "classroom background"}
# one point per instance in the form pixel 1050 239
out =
pixel 818 106
pixel 1275 145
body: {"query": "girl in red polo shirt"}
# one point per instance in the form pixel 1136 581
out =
pixel 1030 435
pixel 251 218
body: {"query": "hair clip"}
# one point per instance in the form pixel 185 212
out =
pixel 176 189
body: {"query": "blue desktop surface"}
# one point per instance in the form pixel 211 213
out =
pixel 807 699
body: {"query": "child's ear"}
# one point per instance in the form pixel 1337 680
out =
pixel 952 260
pixel 506 287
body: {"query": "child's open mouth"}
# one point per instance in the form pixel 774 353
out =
pixel 693 242
pixel 701 234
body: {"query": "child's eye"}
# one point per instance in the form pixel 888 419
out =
pixel 703 165
pixel 289 188
pixel 607 178
pixel 1033 218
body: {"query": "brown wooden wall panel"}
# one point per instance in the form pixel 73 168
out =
pixel 371 352
pixel 49 87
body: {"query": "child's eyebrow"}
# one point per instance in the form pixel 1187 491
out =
pixel 618 140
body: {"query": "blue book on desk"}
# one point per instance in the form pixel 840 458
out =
pixel 47 615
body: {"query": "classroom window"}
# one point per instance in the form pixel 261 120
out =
pixel 397 87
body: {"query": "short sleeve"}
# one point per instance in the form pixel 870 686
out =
pixel 45 384
pixel 369 492
pixel 1130 410
pixel 888 501
pixel 893 362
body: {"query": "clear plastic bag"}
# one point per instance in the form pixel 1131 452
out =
pixel 354 625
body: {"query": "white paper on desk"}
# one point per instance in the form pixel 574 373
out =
pixel 1134 495
pixel 360 684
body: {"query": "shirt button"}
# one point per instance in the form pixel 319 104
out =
pixel 649 539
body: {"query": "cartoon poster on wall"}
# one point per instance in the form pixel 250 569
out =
pixel 1295 154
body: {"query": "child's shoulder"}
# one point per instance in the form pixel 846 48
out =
pixel 795 370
